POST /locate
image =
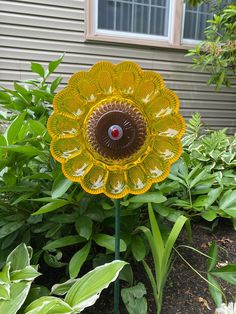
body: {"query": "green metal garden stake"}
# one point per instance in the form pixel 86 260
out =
pixel 117 254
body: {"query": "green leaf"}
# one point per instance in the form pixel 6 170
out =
pixel 29 273
pixel 213 253
pixel 228 199
pixel 215 291
pixel 54 64
pixel 51 207
pixel 5 98
pixel 149 197
pixel 198 178
pixel 231 211
pixel 48 304
pixel 5 291
pixel 38 68
pixel 78 260
pixel 55 84
pixel 134 299
pixel 108 242
pixel 227 273
pixel 19 257
pixel 27 150
pixel 12 131
pixel 138 248
pixel 19 292
pixel 37 127
pixel 10 227
pixel 63 288
pixel 62 242
pixel 209 215
pixel 84 227
pixel 5 274
pixel 60 186
pixel 87 290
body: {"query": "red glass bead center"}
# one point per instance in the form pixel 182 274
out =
pixel 115 132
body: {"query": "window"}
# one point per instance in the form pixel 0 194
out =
pixel 149 17
pixel 166 23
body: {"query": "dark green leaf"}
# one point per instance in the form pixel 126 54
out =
pixel 51 207
pixel 149 197
pixel 60 186
pixel 84 226
pixel 138 248
pixel 108 242
pixel 62 242
pixel 78 260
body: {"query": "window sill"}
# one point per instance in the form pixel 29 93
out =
pixel 138 42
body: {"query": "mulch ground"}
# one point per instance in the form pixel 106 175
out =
pixel 185 291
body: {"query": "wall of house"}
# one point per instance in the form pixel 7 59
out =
pixel 40 30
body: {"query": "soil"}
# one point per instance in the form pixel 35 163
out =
pixel 185 291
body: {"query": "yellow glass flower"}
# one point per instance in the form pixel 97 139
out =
pixel 116 129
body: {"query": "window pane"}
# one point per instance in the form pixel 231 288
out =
pixel 135 16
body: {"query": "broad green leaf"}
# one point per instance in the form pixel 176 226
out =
pixel 48 305
pixel 138 248
pixel 78 260
pixel 213 253
pixel 13 130
pixel 87 290
pixel 10 227
pixel 5 98
pixel 231 211
pixel 84 226
pixel 108 242
pixel 209 215
pixel 228 199
pixel 51 207
pixel 55 84
pixel 63 288
pixel 3 141
pixel 26 150
pixel 134 299
pixel 62 242
pixel 37 127
pixel 29 273
pixel 38 68
pixel 19 257
pixel 227 273
pixel 60 186
pixel 215 290
pixel 19 292
pixel 149 197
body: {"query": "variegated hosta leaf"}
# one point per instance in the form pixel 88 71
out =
pixel 87 289
pixel 48 305
pixel 29 273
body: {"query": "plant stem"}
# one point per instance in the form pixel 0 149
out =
pixel 117 254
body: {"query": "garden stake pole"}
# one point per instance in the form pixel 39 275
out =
pixel 117 254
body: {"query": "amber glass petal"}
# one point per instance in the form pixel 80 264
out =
pixel 94 181
pixel 168 148
pixel 155 167
pixel 116 184
pixel 59 125
pixel 103 73
pixel 75 168
pixel 171 126
pixel 65 148
pixel 149 87
pixel 69 103
pixel 128 75
pixel 137 179
pixel 163 104
pixel 84 86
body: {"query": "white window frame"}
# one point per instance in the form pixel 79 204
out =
pixel 173 40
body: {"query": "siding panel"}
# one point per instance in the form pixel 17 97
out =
pixel 40 30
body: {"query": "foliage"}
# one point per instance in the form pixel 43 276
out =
pixel 134 299
pixel 17 275
pixel 202 183
pixel 161 253
pixel 226 272
pixel 216 53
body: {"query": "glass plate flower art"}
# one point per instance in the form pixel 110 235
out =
pixel 116 129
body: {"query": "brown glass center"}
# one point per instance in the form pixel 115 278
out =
pixel 128 118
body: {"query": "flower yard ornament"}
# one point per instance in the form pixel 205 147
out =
pixel 116 129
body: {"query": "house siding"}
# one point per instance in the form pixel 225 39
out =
pixel 40 30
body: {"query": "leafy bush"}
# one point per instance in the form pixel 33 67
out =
pixel 202 183
pixel 216 53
